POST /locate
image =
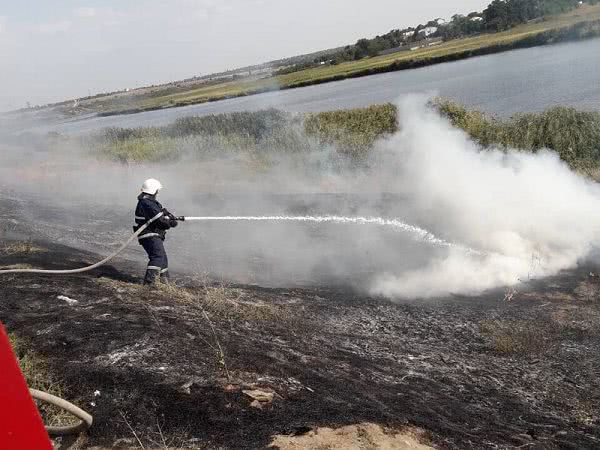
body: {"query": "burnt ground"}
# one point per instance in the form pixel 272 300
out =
pixel 483 372
pixel 479 372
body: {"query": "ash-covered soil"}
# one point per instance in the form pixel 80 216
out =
pixel 172 364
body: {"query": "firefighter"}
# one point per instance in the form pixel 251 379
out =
pixel 152 238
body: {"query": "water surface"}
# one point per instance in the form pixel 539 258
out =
pixel 503 84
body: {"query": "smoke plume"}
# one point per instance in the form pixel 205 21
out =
pixel 530 213
pixel 509 215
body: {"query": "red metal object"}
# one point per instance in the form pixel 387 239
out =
pixel 21 427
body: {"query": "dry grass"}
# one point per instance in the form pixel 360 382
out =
pixel 210 304
pixel 220 300
pixel 22 248
pixel 38 376
pixel 16 266
pixel 588 292
pixel 519 337
pixel 587 414
pixel 234 303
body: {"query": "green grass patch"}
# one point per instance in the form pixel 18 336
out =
pixel 137 145
pixel 573 134
pixel 255 125
pixel 261 135
pixel 354 131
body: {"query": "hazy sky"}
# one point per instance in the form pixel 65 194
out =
pixel 51 50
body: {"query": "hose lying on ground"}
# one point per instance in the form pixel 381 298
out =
pixel 85 419
pixel 93 266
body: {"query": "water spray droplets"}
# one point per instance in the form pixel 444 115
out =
pixel 417 232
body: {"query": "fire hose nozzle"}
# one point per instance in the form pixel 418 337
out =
pixel 180 218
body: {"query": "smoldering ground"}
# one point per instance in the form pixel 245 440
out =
pixel 526 215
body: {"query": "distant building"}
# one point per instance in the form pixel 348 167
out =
pixel 435 41
pixel 476 19
pixel 428 31
pixel 423 44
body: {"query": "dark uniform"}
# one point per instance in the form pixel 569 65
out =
pixel 152 238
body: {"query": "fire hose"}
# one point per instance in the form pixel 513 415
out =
pixel 93 266
pixel 85 419
pixel 419 233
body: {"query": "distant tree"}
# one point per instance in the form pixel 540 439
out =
pixel 495 15
pixel 503 14
pixel 498 16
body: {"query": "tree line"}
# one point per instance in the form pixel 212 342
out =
pixel 499 15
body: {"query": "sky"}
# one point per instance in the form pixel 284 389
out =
pixel 59 49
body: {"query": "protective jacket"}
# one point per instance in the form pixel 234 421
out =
pixel 147 208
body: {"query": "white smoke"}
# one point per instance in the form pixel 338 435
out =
pixel 494 218
pixel 530 213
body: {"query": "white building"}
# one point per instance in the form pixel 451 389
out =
pixel 428 31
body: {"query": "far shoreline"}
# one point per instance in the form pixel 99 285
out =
pixel 571 34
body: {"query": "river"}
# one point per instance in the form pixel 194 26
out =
pixel 502 84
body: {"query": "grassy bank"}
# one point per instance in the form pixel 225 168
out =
pixel 573 134
pixel 579 24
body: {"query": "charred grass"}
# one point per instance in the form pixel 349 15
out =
pixel 172 362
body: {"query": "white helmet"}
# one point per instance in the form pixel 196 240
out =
pixel 151 186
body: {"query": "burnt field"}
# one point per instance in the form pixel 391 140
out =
pixel 169 367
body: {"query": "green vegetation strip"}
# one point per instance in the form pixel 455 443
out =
pixel 573 134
